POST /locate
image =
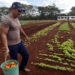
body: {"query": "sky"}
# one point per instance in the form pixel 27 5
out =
pixel 61 4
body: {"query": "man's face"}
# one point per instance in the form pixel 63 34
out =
pixel 16 12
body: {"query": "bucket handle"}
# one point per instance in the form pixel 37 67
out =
pixel 6 58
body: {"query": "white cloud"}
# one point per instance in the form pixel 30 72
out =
pixel 65 4
pixel 62 4
pixel 9 3
pixel 47 2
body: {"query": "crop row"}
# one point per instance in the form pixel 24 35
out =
pixel 40 33
pixel 73 25
pixel 53 67
pixel 64 27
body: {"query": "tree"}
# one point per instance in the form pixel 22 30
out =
pixel 72 12
pixel 48 12
pixel 35 12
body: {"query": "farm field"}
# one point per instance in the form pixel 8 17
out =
pixel 51 48
pixel 25 22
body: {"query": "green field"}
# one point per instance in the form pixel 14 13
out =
pixel 23 22
pixel 64 27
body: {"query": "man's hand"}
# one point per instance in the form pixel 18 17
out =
pixel 6 53
pixel 27 38
pixel 22 31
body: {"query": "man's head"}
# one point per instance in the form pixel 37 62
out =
pixel 17 9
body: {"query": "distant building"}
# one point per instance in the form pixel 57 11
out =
pixel 66 17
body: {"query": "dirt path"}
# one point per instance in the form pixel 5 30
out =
pixel 72 33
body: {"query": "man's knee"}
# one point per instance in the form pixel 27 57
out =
pixel 26 55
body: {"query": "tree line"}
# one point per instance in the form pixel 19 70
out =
pixel 49 12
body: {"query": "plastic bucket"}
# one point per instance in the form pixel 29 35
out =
pixel 10 71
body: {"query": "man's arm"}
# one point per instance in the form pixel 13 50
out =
pixel 23 33
pixel 4 32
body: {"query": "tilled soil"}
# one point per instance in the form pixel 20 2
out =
pixel 40 46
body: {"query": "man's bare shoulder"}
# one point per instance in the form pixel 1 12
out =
pixel 5 18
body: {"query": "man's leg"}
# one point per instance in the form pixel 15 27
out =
pixel 25 56
pixel 13 50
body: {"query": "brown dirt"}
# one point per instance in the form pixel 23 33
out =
pixel 40 45
pixel 72 34
pixel 33 28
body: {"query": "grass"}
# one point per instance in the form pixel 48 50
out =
pixel 73 25
pixel 23 22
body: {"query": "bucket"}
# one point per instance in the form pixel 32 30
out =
pixel 10 71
